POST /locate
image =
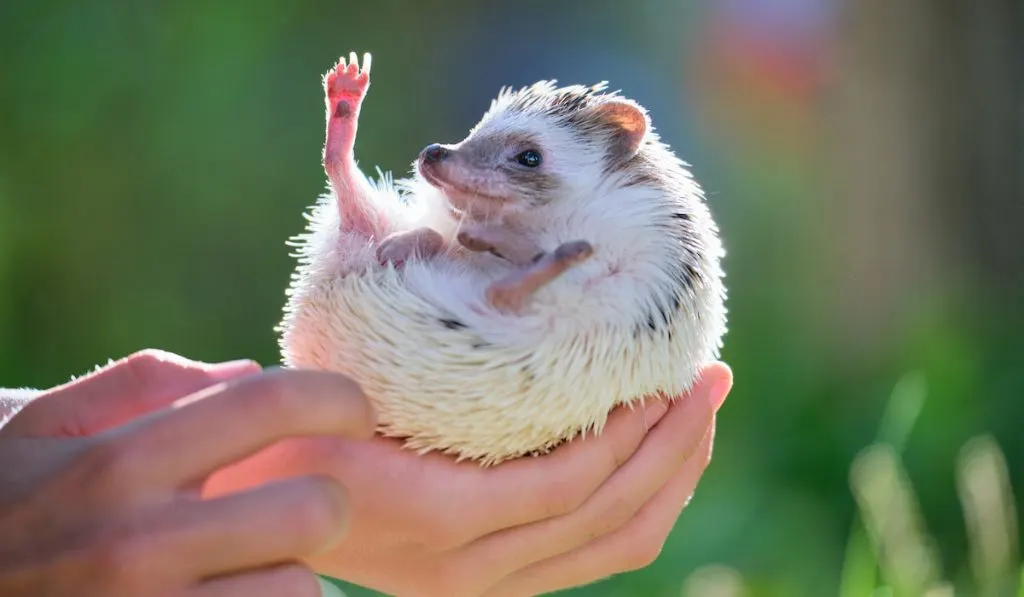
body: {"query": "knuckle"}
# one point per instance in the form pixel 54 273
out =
pixel 619 452
pixel 640 558
pixel 564 496
pixel 148 367
pixel 150 355
pixel 120 560
pixel 643 549
pixel 273 397
pixel 111 464
pixel 616 514
pixel 325 506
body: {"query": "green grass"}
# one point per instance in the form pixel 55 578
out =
pixel 889 552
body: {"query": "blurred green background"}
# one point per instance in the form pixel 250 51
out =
pixel 865 161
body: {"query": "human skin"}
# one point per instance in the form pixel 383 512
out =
pixel 416 525
pixel 427 526
pixel 99 494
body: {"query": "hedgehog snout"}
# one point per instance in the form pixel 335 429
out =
pixel 433 153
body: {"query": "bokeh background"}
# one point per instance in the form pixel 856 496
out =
pixel 865 160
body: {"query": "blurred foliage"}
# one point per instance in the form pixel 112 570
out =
pixel 155 156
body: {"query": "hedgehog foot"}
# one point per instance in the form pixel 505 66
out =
pixel 510 293
pixel 345 87
pixel 420 243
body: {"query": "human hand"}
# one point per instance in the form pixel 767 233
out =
pixel 104 498
pixel 427 526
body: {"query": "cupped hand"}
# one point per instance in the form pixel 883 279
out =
pixel 99 492
pixel 427 526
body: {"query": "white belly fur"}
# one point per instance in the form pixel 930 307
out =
pixel 492 386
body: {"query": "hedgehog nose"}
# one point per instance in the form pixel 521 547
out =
pixel 434 153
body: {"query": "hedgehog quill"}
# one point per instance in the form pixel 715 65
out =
pixel 558 261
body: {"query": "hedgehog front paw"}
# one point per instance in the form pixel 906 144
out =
pixel 421 243
pixel 511 293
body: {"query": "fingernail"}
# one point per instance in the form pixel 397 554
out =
pixel 654 411
pixel 230 369
pixel 328 590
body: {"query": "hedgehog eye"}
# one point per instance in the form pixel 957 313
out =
pixel 529 158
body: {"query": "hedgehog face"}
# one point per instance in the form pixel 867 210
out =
pixel 534 147
pixel 509 165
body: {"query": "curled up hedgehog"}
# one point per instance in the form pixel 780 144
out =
pixel 558 261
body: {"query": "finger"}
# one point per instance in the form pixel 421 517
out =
pixel 293 580
pixel 225 423
pixel 128 388
pixel 634 546
pixel 459 502
pixel 531 489
pixel 279 521
pixel 667 449
pixel 454 502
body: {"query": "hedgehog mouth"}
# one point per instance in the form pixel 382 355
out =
pixel 460 197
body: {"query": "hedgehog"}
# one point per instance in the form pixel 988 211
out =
pixel 520 284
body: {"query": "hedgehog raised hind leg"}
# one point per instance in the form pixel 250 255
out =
pixel 345 87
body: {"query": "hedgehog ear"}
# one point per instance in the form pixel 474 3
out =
pixel 628 120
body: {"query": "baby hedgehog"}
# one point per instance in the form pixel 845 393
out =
pixel 555 263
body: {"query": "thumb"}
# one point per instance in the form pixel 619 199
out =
pixel 123 390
